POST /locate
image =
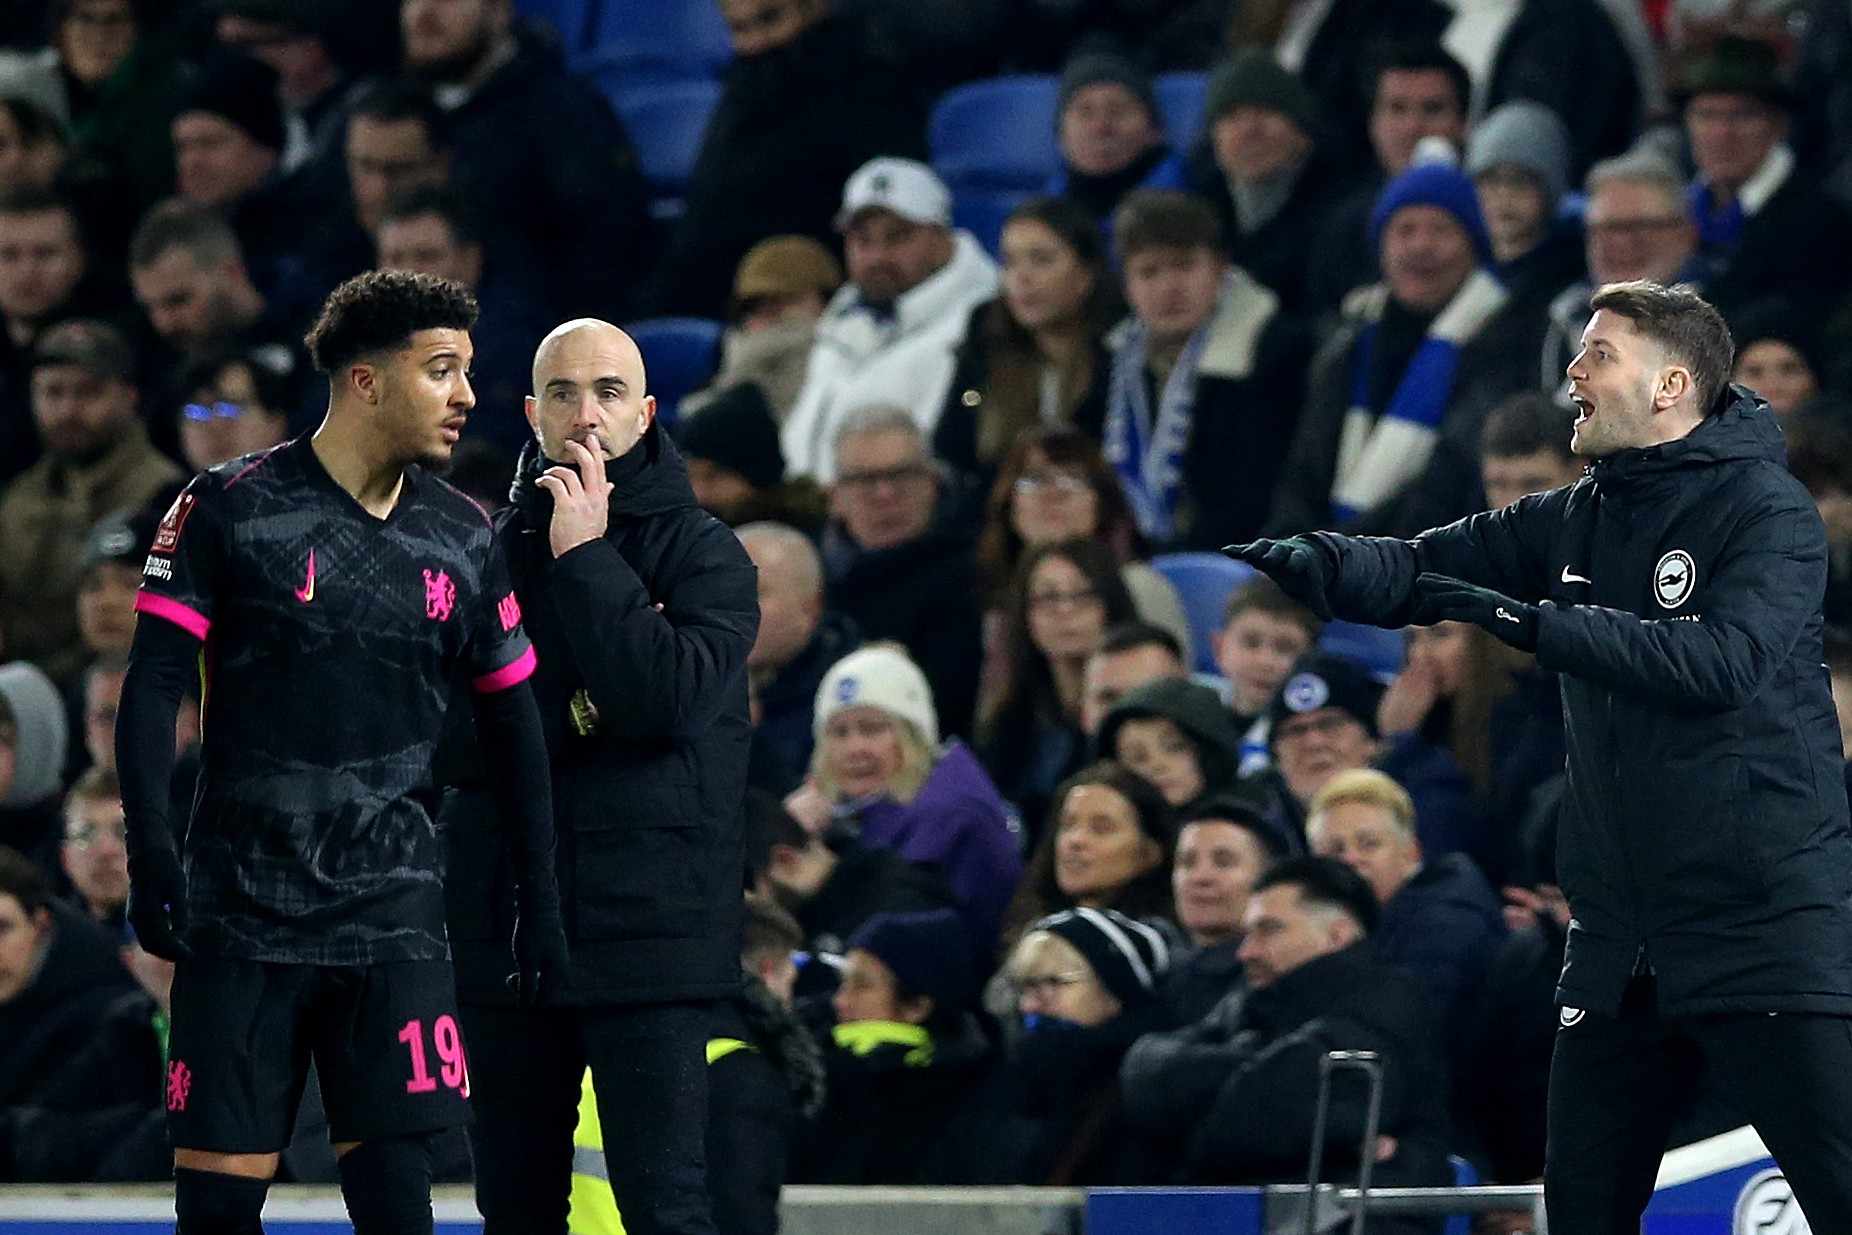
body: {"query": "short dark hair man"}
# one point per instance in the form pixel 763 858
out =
pixel 643 612
pixel 309 915
pixel 1688 640
pixel 1524 449
pixel 1130 654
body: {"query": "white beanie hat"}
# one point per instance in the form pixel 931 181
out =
pixel 879 676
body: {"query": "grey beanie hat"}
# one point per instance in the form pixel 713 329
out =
pixel 38 714
pixel 1527 135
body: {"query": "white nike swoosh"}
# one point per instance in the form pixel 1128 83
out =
pixel 1569 577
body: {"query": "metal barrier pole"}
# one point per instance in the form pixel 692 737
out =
pixel 1370 1064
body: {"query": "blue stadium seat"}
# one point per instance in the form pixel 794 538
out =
pixel 1204 581
pixel 996 134
pixel 665 124
pixel 1181 99
pixel 664 38
pixel 1464 1176
pixel 982 212
pixel 1378 650
pixel 571 18
pixel 680 355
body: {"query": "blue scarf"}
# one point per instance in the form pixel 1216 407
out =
pixel 1146 452
pixel 1378 455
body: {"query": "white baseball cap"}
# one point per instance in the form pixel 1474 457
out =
pixel 909 188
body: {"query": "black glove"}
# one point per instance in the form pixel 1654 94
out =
pixel 1300 565
pixel 540 954
pixel 157 903
pixel 1442 598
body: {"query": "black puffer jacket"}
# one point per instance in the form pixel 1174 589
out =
pixel 647 806
pixel 1704 831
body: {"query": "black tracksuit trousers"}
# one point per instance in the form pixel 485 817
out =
pixel 1618 1083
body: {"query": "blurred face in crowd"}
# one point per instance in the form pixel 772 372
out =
pixel 1099 847
pixel 95 855
pixel 1612 383
pixel 426 244
pixel 106 606
pixel 216 163
pixel 765 312
pixel 1174 290
pixel 1212 877
pixel 1842 706
pixel 1776 371
pixel 1254 144
pixel 26 164
pixel 1156 749
pixel 1281 932
pixel 1067 615
pixel 1412 104
pixel 1105 128
pixel 1441 650
pixel 1367 838
pixel 1731 135
pixel 1509 477
pixel 868 991
pixel 1515 213
pixel 1309 748
pixel 228 419
pixel 187 302
pixel 862 750
pixel 1426 257
pixel 41 261
pixel 21 935
pixel 446 39
pixel 388 157
pixel 94 37
pixel 102 697
pixel 1255 651
pixel 79 413
pixel 1110 676
pixel 588 388
pixel 301 60
pixel 885 488
pixel 1045 284
pixel 1637 231
pixel 888 256
pixel 1052 501
pixel 790 606
pixel 718 489
pixel 1054 980
pixel 759 26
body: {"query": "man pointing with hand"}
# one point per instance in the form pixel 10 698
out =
pixel 641 609
pixel 1677 590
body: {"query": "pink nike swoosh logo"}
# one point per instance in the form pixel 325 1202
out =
pixel 306 592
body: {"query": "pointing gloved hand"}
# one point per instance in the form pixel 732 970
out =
pixel 540 953
pixel 1442 598
pixel 157 903
pixel 1302 567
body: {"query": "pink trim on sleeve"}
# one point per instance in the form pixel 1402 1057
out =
pixel 191 621
pixel 511 674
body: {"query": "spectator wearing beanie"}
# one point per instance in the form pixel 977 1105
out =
pixel 1086 985
pixel 228 149
pixel 33 735
pixel 1176 734
pixel 1110 134
pixel 908 1066
pixel 1778 355
pixel 880 774
pixel 1407 377
pixel 1322 722
pixel 1266 167
pixel 779 291
pixel 1518 157
pixel 738 469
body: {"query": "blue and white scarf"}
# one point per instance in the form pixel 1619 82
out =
pixel 1146 451
pixel 1378 455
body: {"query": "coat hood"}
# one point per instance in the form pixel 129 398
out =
pixel 1193 708
pixel 39 714
pixel 650 480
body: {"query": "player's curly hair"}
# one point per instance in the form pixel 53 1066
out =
pixel 381 310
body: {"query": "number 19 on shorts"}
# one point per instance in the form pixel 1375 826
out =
pixel 448 1041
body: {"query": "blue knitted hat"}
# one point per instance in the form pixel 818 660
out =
pixel 1433 184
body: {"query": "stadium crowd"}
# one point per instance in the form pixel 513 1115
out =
pixel 1053 876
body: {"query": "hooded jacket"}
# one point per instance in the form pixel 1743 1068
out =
pixel 1442 926
pixel 1197 711
pixel 51 1021
pixel 903 359
pixel 648 780
pixel 1704 832
pixel 29 813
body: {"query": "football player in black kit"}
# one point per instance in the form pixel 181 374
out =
pixel 326 593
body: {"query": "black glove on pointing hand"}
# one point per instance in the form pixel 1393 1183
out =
pixel 1442 598
pixel 1302 567
pixel 157 903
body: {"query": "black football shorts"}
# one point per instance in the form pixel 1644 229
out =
pixel 384 1038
